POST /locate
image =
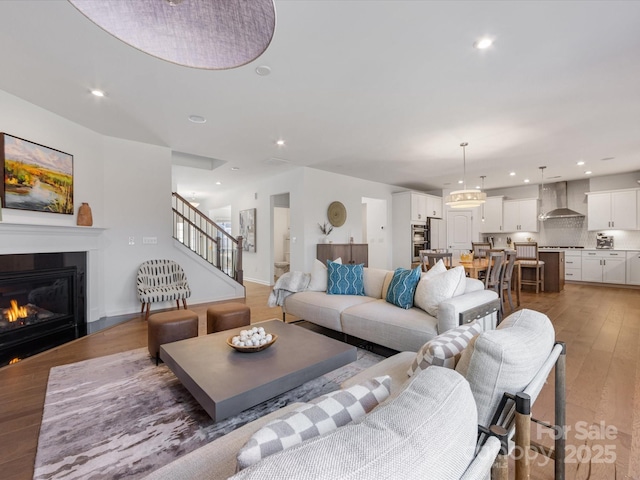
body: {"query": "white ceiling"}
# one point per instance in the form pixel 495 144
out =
pixel 381 90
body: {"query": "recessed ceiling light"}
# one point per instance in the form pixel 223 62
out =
pixel 218 183
pixel 580 163
pixel 263 70
pixel 588 172
pixel 280 143
pixel 526 180
pixel 483 43
pixel 97 93
pixel 235 169
pixel 512 174
pixel 460 182
pixel 197 119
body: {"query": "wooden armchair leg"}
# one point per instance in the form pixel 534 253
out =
pixel 146 317
pixel 560 413
pixel 523 435
pixel 184 303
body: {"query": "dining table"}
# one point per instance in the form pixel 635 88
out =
pixel 477 265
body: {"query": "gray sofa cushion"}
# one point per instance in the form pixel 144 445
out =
pixel 385 324
pixel 323 309
pixel 506 359
pixel 429 430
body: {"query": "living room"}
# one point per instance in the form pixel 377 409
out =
pixel 128 179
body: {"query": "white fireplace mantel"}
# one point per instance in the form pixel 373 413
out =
pixel 31 238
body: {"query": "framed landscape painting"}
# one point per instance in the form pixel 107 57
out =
pixel 248 229
pixel 36 177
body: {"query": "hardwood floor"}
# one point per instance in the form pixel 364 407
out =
pixel 600 325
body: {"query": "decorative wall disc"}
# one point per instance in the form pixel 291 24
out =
pixel 337 214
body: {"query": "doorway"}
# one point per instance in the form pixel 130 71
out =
pixel 459 231
pixel 374 232
pixel 281 239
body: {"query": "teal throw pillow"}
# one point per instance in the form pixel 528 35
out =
pixel 403 286
pixel 345 279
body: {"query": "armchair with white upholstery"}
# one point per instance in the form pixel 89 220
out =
pixel 160 281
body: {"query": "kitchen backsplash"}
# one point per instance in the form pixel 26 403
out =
pixel 571 232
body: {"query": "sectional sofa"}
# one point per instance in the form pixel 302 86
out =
pixel 443 296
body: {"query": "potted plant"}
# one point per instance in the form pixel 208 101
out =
pixel 326 229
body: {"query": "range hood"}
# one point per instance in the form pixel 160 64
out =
pixel 557 195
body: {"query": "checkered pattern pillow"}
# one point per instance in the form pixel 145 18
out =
pixel 443 349
pixel 322 415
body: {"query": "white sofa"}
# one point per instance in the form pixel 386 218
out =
pixel 372 318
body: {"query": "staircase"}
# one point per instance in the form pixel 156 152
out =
pixel 200 234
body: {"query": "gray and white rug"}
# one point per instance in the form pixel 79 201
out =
pixel 120 416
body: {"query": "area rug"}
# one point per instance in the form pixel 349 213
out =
pixel 120 416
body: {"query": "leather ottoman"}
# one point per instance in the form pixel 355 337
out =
pixel 226 316
pixel 167 327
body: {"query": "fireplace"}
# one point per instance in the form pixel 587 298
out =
pixel 42 302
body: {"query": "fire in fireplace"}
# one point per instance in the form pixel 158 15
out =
pixel 40 307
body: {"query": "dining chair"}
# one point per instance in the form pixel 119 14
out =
pixel 493 279
pixel 527 256
pixel 430 259
pixel 480 249
pixel 507 275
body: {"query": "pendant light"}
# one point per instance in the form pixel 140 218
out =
pixel 465 198
pixel 542 216
pixel 482 189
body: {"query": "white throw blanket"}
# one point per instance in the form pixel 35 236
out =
pixel 287 284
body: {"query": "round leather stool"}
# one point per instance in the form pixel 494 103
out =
pixel 171 326
pixel 226 316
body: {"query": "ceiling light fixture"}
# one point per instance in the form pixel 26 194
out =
pixel 197 119
pixel 526 180
pixel 193 200
pixel 263 70
pixel 512 174
pixel 483 43
pixel 280 143
pixel 199 34
pixel 482 188
pixel 588 172
pixel 97 93
pixel 580 163
pixel 542 216
pixel 465 198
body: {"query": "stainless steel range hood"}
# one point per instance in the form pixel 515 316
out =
pixel 558 193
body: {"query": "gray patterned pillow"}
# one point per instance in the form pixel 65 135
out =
pixel 443 349
pixel 324 414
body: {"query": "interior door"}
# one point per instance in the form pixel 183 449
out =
pixel 459 231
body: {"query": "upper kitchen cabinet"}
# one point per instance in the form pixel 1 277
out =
pixel 492 212
pixel 422 205
pixel 434 206
pixel 520 215
pixel 613 210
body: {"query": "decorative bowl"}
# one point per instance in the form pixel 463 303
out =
pixel 257 348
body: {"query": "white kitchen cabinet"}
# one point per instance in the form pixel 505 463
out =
pixel 434 206
pixel 520 215
pixel 418 208
pixel 604 267
pixel 492 210
pixel 633 268
pixel 613 210
pixel 573 265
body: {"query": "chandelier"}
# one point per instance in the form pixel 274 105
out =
pixel 465 198
pixel 204 34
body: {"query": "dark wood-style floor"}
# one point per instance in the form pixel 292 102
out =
pixel 601 326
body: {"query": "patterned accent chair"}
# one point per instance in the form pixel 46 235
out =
pixel 162 281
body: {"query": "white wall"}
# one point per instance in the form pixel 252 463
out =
pixel 128 186
pixel 378 232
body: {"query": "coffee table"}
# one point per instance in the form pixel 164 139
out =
pixel 226 382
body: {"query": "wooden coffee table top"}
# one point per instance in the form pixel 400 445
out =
pixel 226 382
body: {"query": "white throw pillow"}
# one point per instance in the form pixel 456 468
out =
pixel 319 276
pixel 322 415
pixel 433 289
